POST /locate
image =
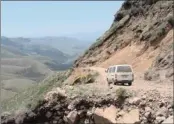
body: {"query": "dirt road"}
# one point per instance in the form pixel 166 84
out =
pixel 139 84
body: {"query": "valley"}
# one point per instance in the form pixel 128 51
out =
pixel 140 35
pixel 26 61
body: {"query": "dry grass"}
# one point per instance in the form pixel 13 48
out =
pixel 34 94
pixel 85 78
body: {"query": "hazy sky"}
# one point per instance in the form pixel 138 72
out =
pixel 56 18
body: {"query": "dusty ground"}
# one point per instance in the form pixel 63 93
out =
pixel 140 86
pixel 140 64
pixel 129 55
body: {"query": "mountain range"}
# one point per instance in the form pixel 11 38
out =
pixel 26 61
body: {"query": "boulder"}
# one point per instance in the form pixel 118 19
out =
pixel 123 21
pixel 82 113
pixel 160 119
pixel 162 112
pixel 130 117
pixel 86 121
pixel 89 113
pixel 170 111
pixel 55 93
pixel 105 116
pixel 56 118
pixel 169 120
pixel 20 116
pixel 48 114
pixel 31 114
pixel 148 109
pixel 144 97
pixel 65 119
pixel 142 104
pixel 71 106
pixel 54 122
pixel 20 119
pixel 147 114
pixel 72 117
pixel 162 103
pixel 135 101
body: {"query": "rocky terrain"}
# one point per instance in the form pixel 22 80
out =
pixel 79 100
pixel 138 29
pixel 162 67
pixel 141 35
pixel 59 107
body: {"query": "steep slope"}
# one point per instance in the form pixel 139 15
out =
pixel 162 66
pixel 136 32
pixel 141 35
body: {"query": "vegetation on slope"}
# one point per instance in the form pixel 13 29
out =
pixel 24 64
pixel 31 96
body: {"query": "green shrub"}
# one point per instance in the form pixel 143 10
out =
pixel 121 95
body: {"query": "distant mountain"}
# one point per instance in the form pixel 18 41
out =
pixel 88 36
pixel 23 61
pixel 68 45
pixel 8 42
pixel 26 61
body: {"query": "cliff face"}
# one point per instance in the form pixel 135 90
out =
pixel 138 23
pixel 162 67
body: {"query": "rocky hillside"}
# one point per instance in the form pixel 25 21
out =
pixel 72 98
pixel 162 67
pixel 68 45
pixel 59 107
pixel 141 35
pixel 138 25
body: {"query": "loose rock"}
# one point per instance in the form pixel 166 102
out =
pixel 107 115
pixel 162 112
pixel 160 119
pixel 169 120
pixel 135 101
pixel 131 117
pixel 72 117
pixel 48 114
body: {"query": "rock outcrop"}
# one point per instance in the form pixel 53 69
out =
pixel 162 67
pixel 61 109
pixel 144 22
pixel 105 116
